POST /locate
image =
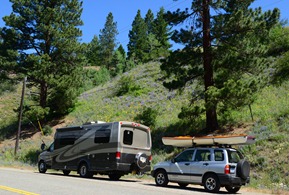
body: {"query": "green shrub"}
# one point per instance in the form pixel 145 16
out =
pixel 29 156
pixel 93 77
pixel 47 130
pixel 129 87
pixel 147 117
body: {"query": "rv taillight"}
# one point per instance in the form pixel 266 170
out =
pixel 150 158
pixel 117 155
pixel 227 169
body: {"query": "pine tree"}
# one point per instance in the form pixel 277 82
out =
pixel 119 61
pixel 162 33
pixel 137 45
pixel 93 52
pixel 107 40
pixel 149 20
pixel 47 36
pixel 225 49
pixel 8 66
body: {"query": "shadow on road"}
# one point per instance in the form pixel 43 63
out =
pixel 96 177
pixel 190 187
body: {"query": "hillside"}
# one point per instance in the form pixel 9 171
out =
pixel 269 156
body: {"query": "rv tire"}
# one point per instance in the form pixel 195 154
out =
pixel 114 176
pixel 83 171
pixel 42 167
pixel 66 172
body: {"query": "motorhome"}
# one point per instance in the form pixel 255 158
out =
pixel 114 149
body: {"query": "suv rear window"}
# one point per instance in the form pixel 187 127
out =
pixel 234 156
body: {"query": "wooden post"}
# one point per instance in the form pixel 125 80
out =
pixel 20 117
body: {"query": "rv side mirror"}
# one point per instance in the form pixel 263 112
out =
pixel 43 146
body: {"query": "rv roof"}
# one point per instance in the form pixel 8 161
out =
pixel 93 122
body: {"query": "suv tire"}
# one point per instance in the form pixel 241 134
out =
pixel 233 190
pixel 161 178
pixel 211 183
pixel 243 169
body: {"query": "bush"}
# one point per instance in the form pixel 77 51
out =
pixel 129 87
pixel 47 130
pixel 93 77
pixel 147 117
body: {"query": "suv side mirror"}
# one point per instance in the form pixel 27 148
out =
pixel 43 146
pixel 173 160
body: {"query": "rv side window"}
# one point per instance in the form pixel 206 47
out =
pixel 127 137
pixel 102 136
pixel 63 141
pixel 67 141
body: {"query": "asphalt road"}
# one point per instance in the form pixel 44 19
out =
pixel 14 181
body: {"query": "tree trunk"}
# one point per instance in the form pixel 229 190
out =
pixel 211 115
pixel 43 94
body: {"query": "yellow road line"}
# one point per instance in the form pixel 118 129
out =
pixel 17 190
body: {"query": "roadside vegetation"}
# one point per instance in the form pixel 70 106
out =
pixel 268 157
pixel 230 77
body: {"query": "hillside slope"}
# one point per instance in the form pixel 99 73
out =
pixel 269 157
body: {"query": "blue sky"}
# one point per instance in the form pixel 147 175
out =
pixel 95 13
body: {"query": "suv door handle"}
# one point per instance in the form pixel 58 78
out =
pixel 187 164
pixel 206 164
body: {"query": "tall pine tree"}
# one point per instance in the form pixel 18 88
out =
pixel 161 30
pixel 93 52
pixel 107 40
pixel 47 33
pixel 137 45
pixel 149 20
pixel 225 49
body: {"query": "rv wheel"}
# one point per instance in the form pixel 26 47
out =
pixel 66 172
pixel 42 167
pixel 84 172
pixel 114 176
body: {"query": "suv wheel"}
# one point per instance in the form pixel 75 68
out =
pixel 42 168
pixel 231 189
pixel 161 178
pixel 211 183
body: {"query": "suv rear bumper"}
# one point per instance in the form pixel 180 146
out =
pixel 232 180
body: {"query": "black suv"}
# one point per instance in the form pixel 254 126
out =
pixel 211 167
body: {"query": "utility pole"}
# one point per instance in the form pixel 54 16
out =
pixel 20 117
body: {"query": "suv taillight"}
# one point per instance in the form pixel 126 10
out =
pixel 227 169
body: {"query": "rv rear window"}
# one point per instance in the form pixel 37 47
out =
pixel 127 137
pixel 102 136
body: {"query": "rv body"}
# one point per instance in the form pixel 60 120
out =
pixel 113 149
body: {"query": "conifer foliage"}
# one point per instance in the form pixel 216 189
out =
pixel 149 37
pixel 107 41
pixel 45 34
pixel 225 49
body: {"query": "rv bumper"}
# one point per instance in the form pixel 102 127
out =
pixel 129 168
